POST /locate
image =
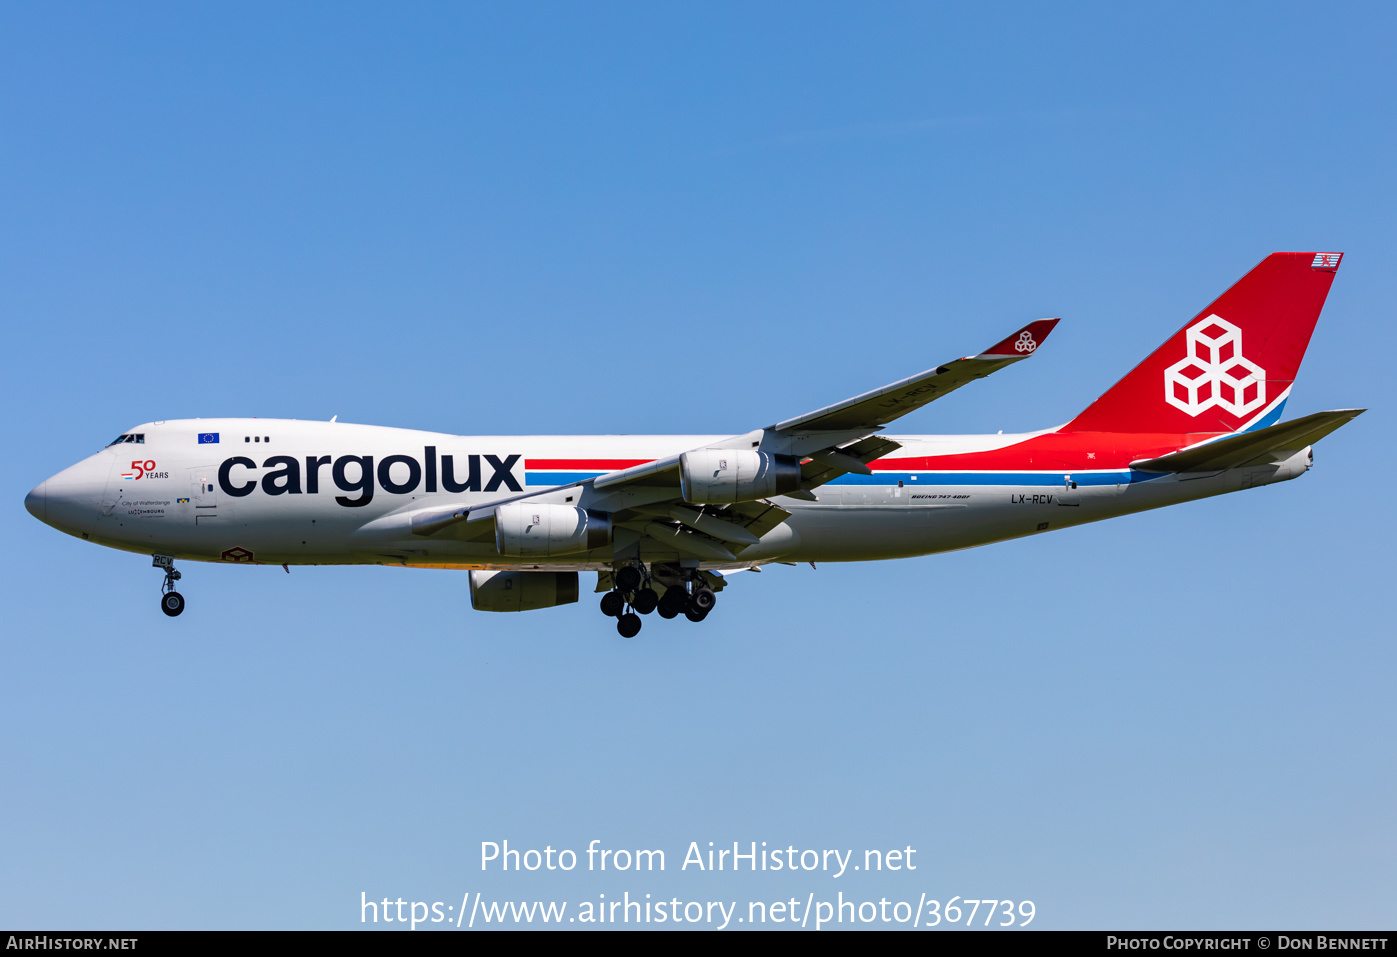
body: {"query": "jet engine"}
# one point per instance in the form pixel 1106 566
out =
pixel 522 591
pixel 723 476
pixel 530 530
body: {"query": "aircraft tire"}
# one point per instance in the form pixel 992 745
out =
pixel 628 625
pixel 628 578
pixel 704 600
pixel 645 601
pixel 667 612
pixel 172 603
pixel 612 605
pixel 675 600
pixel 693 614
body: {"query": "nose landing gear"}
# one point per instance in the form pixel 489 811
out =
pixel 171 601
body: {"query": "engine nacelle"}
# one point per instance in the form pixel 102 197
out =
pixel 522 591
pixel 529 530
pixel 723 476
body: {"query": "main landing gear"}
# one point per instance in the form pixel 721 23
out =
pixel 171 601
pixel 634 587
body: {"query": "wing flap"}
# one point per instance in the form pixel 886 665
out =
pixel 822 469
pixel 757 517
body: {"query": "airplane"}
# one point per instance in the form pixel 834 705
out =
pixel 661 518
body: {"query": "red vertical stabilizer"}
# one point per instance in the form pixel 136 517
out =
pixel 1231 363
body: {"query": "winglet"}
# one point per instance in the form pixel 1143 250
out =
pixel 1022 343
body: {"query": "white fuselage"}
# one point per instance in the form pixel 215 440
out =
pixel 296 492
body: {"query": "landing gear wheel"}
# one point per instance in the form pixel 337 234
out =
pixel 629 625
pixel 628 578
pixel 645 601
pixel 612 605
pixel 704 600
pixel 693 614
pixel 676 599
pixel 172 603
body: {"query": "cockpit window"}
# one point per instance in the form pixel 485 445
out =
pixel 135 439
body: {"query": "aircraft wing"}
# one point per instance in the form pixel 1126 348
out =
pixel 821 445
pixel 881 406
pixel 822 434
pixel 1262 447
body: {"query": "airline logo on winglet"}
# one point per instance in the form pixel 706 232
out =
pixel 1023 342
pixel 1326 260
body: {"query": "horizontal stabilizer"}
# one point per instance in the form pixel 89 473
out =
pixel 1262 447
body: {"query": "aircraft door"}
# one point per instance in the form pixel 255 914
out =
pixel 203 492
pixel 1069 494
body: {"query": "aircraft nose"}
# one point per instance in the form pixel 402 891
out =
pixel 70 500
pixel 37 500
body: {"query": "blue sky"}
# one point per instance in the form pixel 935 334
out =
pixel 551 218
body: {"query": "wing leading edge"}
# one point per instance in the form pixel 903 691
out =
pixel 822 445
pixel 821 435
pixel 881 406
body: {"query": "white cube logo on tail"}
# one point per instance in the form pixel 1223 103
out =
pixel 1025 342
pixel 1215 373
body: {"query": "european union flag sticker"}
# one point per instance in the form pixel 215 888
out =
pixel 208 438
